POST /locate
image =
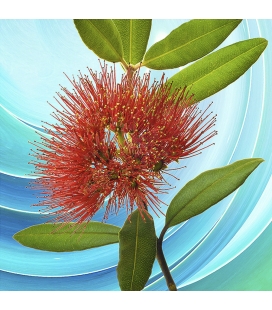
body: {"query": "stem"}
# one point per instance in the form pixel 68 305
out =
pixel 124 64
pixel 130 67
pixel 163 264
pixel 120 137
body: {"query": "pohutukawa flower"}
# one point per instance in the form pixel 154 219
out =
pixel 113 142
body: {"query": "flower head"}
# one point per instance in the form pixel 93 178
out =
pixel 113 142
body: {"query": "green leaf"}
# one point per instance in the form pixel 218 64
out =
pixel 207 189
pixel 134 34
pixel 71 237
pixel 188 42
pixel 138 243
pixel 214 72
pixel 102 37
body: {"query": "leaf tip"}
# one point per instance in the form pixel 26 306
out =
pixel 258 159
pixel 15 236
pixel 265 42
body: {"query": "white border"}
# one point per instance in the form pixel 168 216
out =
pixel 176 9
pixel 130 300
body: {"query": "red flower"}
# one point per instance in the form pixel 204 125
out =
pixel 113 142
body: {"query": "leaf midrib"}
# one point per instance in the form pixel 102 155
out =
pixel 224 64
pixel 169 222
pixel 66 233
pixel 182 46
pixel 130 40
pixel 135 252
pixel 105 39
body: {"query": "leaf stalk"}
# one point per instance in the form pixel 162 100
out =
pixel 164 267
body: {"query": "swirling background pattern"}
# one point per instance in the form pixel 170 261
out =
pixel 227 247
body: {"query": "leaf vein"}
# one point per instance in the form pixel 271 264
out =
pixel 130 40
pixel 226 63
pixel 105 39
pixel 66 233
pixel 182 46
pixel 190 201
pixel 135 252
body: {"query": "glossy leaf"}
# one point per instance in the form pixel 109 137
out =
pixel 189 42
pixel 71 237
pixel 214 72
pixel 134 34
pixel 102 37
pixel 207 189
pixel 138 243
